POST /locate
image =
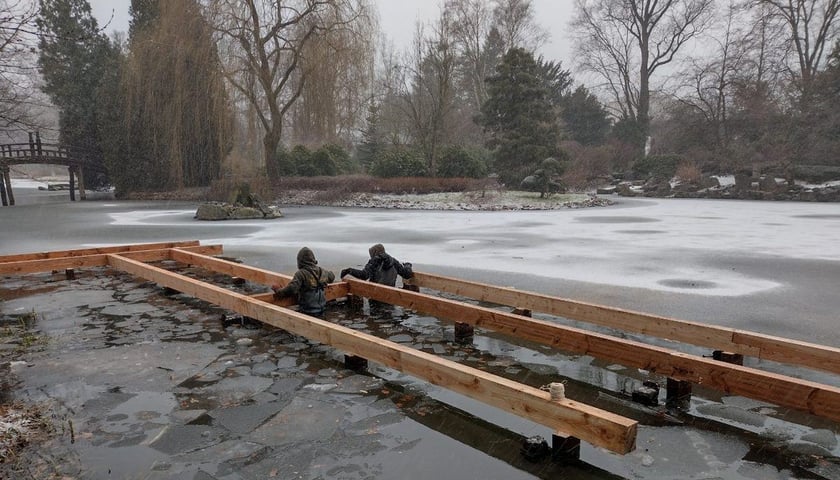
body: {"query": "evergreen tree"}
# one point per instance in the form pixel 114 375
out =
pixel 585 119
pixel 518 116
pixel 372 138
pixel 73 57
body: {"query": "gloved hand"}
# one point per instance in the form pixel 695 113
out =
pixel 407 266
pixel 344 273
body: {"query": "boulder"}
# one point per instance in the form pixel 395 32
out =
pixel 768 184
pixel 624 190
pixel 211 211
pixel 743 182
pixel 226 211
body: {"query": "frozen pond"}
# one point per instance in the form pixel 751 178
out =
pixel 770 267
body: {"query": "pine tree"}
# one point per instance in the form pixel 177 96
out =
pixel 72 60
pixel 518 116
pixel 585 119
pixel 372 138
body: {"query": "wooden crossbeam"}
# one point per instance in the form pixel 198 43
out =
pixel 590 424
pixel 744 342
pixel 94 251
pixel 96 260
pixel 253 274
pixel 815 398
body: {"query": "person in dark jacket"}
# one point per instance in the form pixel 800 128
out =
pixel 381 268
pixel 307 285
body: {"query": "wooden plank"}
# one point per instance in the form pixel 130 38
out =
pixel 815 398
pixel 252 274
pixel 744 342
pixel 588 423
pixel 94 251
pixel 98 260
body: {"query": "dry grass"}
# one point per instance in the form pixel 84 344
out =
pixel 21 425
pixel 688 172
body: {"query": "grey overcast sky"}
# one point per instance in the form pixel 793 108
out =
pixel 398 18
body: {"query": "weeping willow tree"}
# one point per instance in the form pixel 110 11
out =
pixel 176 114
pixel 338 68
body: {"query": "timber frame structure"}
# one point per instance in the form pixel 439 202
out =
pixel 570 419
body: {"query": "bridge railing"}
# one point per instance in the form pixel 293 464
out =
pixel 29 150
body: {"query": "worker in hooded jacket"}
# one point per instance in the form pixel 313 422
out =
pixel 308 284
pixel 381 268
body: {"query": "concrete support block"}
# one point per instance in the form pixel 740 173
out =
pixel 647 394
pixel 564 447
pixel 728 357
pixel 678 393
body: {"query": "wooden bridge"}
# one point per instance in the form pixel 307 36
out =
pixel 36 152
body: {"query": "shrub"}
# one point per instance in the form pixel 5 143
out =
pixel 344 163
pixel 322 163
pixel 398 162
pixel 459 161
pixel 660 166
pixel 301 158
pixel 396 185
pixel 688 172
pixel 228 188
pixel 281 165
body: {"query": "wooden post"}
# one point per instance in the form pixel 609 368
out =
pixel 72 185
pixel 7 180
pixel 464 332
pixel 3 187
pixel 82 195
pixel 355 363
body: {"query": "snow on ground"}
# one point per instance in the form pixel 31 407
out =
pixel 28 183
pixel 661 245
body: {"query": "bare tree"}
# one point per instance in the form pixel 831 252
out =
pixel 811 25
pixel 707 81
pixel 472 21
pixel 626 42
pixel 18 95
pixel 516 21
pixel 339 64
pixel 426 92
pixel 264 46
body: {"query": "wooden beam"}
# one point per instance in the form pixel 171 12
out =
pixel 720 338
pixel 588 423
pixel 87 261
pixel 95 251
pixel 815 398
pixel 252 274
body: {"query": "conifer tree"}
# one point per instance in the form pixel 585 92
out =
pixel 518 117
pixel 72 59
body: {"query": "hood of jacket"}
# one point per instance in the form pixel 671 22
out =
pixel 306 258
pixel 376 250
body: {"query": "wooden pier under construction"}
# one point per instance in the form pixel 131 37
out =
pixel 570 419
